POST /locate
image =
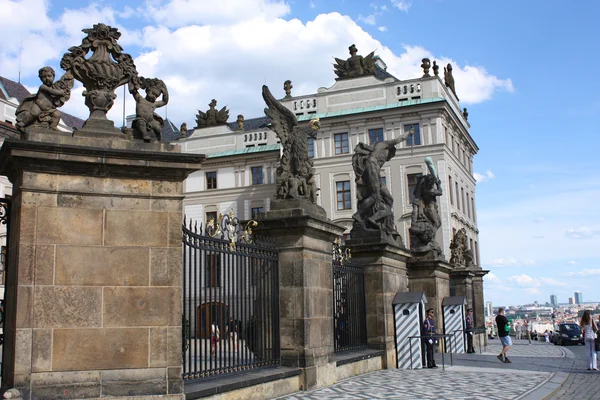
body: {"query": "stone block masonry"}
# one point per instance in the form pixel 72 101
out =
pixel 94 298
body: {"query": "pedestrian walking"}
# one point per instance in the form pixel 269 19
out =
pixel 546 336
pixel 232 333
pixel 589 329
pixel 503 334
pixel 469 330
pixel 429 329
pixel 519 331
pixel 215 336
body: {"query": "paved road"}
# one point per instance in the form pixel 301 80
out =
pixel 536 372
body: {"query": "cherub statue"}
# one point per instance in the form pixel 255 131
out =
pixel 183 131
pixel 40 109
pixel 295 173
pixel 148 125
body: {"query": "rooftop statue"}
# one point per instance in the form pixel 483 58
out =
pixel 425 218
pixel 436 68
pixel 287 87
pixel 375 203
pixel 449 79
pixel 40 110
pixel 148 125
pixel 212 117
pixel 295 173
pixel 425 64
pixel 356 65
pixel 461 255
pixel 240 122
pixel 183 131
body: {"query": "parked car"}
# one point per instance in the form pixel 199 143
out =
pixel 568 333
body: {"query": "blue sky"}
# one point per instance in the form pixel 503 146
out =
pixel 526 71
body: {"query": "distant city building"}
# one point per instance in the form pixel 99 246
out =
pixel 554 300
pixel 571 300
pixel 578 298
pixel 488 308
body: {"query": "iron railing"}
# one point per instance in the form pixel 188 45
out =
pixel 5 204
pixel 230 300
pixel 349 309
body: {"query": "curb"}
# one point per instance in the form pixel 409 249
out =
pixel 546 388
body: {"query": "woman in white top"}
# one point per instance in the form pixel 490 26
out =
pixel 589 329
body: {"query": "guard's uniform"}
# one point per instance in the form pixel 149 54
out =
pixel 429 328
pixel 469 331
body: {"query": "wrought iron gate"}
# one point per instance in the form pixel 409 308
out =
pixel 230 299
pixel 349 309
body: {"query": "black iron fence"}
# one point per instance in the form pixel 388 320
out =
pixel 349 310
pixel 230 299
pixel 4 243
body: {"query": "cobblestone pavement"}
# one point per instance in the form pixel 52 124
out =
pixel 431 384
pixel 538 371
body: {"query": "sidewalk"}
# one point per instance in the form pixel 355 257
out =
pixel 535 373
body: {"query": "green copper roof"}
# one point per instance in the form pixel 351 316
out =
pixel 247 150
pixel 399 104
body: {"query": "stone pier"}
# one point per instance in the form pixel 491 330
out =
pixel 433 278
pixel 304 236
pixel 385 275
pixel 93 285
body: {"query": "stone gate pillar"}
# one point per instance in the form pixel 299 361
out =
pixel 93 290
pixel 304 236
pixel 461 284
pixel 433 278
pixel 385 275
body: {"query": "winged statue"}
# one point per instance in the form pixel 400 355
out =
pixel 355 65
pixel 212 117
pixel 295 173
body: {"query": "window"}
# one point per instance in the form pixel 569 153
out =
pixel 413 139
pixel 343 195
pixel 3 264
pixel 211 180
pixel 476 253
pixel 311 147
pixel 467 206
pixel 341 143
pixel 462 199
pixel 473 209
pixel 257 175
pixel 450 190
pixel 345 237
pixel 212 270
pixel 256 211
pixel 383 181
pixel 375 135
pixel 249 146
pixel 457 197
pixel 412 180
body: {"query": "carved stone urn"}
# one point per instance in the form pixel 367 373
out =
pixel 106 69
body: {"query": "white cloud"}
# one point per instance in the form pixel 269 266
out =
pixel 585 273
pixel 402 5
pixel 572 262
pixel 490 277
pixel 382 29
pixel 524 280
pixel 369 19
pixel 552 282
pixel 224 52
pixel 533 291
pixel 512 262
pixel 483 177
pixel 312 4
pixel 582 232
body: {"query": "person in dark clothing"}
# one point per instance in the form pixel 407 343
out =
pixel 503 334
pixel 469 330
pixel 429 328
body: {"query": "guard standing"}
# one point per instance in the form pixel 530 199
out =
pixel 429 328
pixel 469 330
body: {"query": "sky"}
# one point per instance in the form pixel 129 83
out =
pixel 524 69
